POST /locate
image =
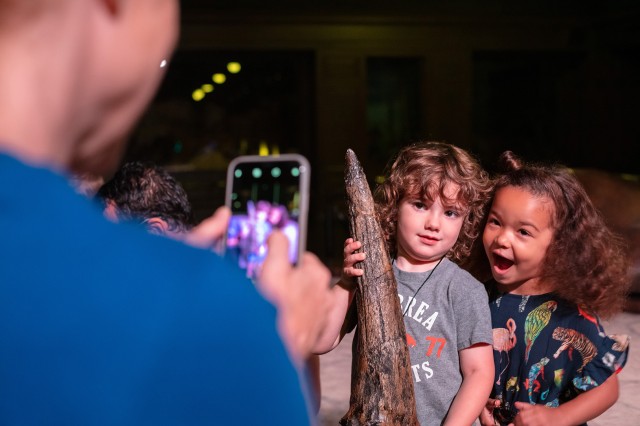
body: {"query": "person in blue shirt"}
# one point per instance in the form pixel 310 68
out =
pixel 104 323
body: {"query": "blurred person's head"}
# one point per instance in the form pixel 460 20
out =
pixel 82 72
pixel 147 193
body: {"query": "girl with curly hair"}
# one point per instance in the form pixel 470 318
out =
pixel 431 208
pixel 556 269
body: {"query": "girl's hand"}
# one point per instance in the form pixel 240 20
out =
pixel 349 271
pixel 535 415
pixel 486 416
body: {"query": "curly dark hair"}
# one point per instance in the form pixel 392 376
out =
pixel 141 190
pixel 424 170
pixel 586 262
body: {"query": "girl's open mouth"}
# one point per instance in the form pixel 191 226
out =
pixel 501 263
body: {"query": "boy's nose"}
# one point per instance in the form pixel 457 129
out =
pixel 432 222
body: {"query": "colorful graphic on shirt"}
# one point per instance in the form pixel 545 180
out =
pixel 584 383
pixel 621 342
pixel 557 377
pixel 536 321
pixel 533 385
pixel 592 318
pixel 504 339
pixel 572 339
pixel 512 384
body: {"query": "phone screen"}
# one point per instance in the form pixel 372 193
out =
pixel 265 193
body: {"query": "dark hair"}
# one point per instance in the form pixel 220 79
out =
pixel 143 191
pixel 585 261
pixel 424 170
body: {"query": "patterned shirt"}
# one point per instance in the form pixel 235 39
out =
pixel 547 351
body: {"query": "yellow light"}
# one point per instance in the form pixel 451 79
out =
pixel 275 150
pixel 234 67
pixel 219 78
pixel 379 179
pixel 207 88
pixel 198 95
pixel 263 150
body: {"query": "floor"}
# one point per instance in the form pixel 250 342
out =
pixel 336 365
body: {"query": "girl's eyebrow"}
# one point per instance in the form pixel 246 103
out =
pixel 524 223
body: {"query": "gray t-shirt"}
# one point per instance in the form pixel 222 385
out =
pixel 450 312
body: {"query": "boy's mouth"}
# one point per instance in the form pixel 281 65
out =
pixel 501 263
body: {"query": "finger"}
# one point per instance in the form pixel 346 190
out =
pixel 522 405
pixel 277 258
pixel 210 230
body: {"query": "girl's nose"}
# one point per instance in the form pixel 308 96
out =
pixel 501 239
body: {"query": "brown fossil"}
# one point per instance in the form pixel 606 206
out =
pixel 381 382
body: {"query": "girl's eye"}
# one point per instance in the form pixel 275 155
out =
pixel 493 221
pixel 524 232
pixel 418 205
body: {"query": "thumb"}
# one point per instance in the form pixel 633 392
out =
pixel 210 230
pixel 276 264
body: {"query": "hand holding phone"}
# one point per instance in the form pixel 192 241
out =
pixel 266 193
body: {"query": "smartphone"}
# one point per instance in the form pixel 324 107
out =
pixel 266 193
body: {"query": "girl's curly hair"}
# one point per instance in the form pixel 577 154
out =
pixel 423 170
pixel 587 263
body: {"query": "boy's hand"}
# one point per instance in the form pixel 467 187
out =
pixel 486 416
pixel 349 271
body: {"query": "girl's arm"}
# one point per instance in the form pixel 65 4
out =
pixel 342 294
pixel 476 364
pixel 581 409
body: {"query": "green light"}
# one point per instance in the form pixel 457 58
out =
pixel 237 173
pixel 276 172
pixel 256 172
pixel 295 172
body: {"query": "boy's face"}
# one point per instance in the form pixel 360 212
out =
pixel 426 230
pixel 518 232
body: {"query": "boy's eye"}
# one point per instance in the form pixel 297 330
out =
pixel 493 221
pixel 524 232
pixel 452 213
pixel 419 205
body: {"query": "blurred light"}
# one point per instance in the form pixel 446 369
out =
pixel 177 147
pixel 256 172
pixel 263 149
pixel 295 172
pixel 275 150
pixel 219 78
pixel 234 196
pixel 163 63
pixel 207 88
pixel 276 172
pixel 198 95
pixel 379 179
pixel 237 204
pixel 237 173
pixel 234 67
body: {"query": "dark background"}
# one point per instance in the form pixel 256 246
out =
pixel 552 81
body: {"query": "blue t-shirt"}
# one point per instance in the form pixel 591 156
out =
pixel 547 351
pixel 105 324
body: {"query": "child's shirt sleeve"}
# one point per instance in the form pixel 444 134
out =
pixel 610 356
pixel 473 317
